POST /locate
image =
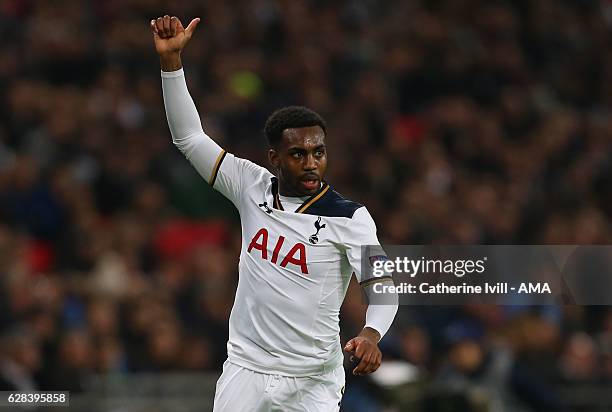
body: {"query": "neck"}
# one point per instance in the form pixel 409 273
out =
pixel 284 191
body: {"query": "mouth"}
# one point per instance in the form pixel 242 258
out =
pixel 310 182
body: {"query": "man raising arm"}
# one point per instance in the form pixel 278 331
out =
pixel 301 241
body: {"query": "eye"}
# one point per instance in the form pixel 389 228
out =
pixel 297 155
pixel 320 153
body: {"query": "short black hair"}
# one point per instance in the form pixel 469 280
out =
pixel 291 117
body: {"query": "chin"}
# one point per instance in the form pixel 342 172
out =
pixel 301 191
pixel 307 192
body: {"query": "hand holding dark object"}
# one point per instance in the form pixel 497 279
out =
pixel 170 39
pixel 365 349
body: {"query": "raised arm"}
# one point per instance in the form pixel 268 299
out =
pixel 221 170
pixel 187 133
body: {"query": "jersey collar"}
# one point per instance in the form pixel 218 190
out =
pixel 307 203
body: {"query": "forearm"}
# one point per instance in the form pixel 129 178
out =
pixel 184 122
pixel 181 113
pixel 379 317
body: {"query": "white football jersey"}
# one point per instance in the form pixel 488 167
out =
pixel 294 271
pixel 295 266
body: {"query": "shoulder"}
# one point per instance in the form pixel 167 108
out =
pixel 363 216
pixel 333 204
pixel 244 167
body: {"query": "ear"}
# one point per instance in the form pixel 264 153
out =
pixel 273 158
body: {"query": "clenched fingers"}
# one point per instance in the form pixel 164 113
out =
pixel 162 27
pixel 154 27
pixel 173 25
pixel 368 364
pixel 370 361
pixel 166 24
pixel 159 27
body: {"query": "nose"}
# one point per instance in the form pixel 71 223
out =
pixel 310 163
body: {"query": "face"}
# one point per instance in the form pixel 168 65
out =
pixel 301 160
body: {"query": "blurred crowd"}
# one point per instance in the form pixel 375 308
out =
pixel 453 121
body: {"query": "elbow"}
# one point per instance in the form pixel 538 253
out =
pixel 179 143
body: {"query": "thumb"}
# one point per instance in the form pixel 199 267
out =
pixel 192 26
